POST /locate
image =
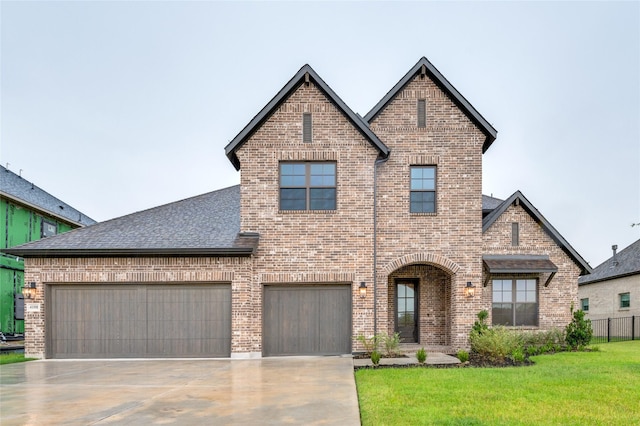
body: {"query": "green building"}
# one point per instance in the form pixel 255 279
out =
pixel 27 213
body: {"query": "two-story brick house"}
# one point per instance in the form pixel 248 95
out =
pixel 342 225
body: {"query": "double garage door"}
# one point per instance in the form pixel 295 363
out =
pixel 139 320
pixel 187 320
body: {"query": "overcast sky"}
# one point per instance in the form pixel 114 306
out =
pixel 116 106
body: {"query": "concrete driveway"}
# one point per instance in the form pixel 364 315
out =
pixel 304 390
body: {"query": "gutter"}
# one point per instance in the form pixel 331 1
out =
pixel 154 252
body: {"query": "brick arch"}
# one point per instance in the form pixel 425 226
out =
pixel 416 258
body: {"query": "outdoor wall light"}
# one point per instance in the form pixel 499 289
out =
pixel 363 290
pixel 470 289
pixel 29 291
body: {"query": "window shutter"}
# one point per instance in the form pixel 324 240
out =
pixel 306 127
pixel 422 113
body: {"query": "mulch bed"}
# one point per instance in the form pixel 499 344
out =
pixel 475 361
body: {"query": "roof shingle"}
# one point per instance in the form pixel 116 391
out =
pixel 627 262
pixel 207 224
pixel 19 189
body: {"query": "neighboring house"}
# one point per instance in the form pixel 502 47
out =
pixel 27 213
pixel 341 226
pixel 613 288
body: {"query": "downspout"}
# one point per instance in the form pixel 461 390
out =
pixel 375 241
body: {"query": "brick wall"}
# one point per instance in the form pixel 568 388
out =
pixel 554 300
pixel 453 143
pixel 311 246
pixel 51 271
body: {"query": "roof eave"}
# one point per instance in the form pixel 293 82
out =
pixel 42 210
pixel 153 252
pixel 609 278
pixel 490 132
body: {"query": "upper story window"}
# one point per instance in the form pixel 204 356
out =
pixel 49 229
pixel 423 189
pixel 584 304
pixel 307 186
pixel 625 300
pixel 515 234
pixel 515 302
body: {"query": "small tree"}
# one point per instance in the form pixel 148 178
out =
pixel 578 331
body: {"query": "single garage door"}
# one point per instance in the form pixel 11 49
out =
pixel 139 320
pixel 307 320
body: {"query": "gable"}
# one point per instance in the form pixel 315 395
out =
pixel 306 75
pixel 496 228
pixel 437 92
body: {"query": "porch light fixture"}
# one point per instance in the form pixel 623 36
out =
pixel 470 289
pixel 363 290
pixel 29 291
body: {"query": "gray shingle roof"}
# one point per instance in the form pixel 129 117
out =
pixel 490 203
pixel 519 198
pixel 424 64
pixel 628 263
pixel 207 224
pixel 298 79
pixel 19 189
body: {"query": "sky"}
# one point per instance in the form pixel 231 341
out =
pixel 119 106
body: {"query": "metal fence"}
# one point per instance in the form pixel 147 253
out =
pixel 616 329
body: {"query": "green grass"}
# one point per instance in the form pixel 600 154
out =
pixel 570 388
pixel 13 358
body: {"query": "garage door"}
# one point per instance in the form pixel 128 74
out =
pixel 139 320
pixel 307 320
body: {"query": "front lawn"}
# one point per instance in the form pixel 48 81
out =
pixel 11 358
pixel 585 388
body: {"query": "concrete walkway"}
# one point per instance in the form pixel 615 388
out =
pixel 292 390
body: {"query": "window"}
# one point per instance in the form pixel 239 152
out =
pixel 306 127
pixel 48 229
pixel 515 234
pixel 307 186
pixel 515 302
pixel 423 189
pixel 422 113
pixel 625 300
pixel 584 304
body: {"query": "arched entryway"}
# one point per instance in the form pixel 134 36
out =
pixel 419 304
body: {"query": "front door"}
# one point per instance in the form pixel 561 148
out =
pixel 407 310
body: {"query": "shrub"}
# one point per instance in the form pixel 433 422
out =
pixel 391 343
pixel 517 355
pixel 481 325
pixel 375 357
pixel 370 344
pixel 421 355
pixel 578 331
pixel 463 355
pixel 544 341
pixel 495 343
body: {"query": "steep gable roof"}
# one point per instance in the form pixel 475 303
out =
pixel 625 263
pixel 520 199
pixel 298 79
pixel 205 225
pixel 443 83
pixel 20 190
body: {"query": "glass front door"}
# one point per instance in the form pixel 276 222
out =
pixel 406 311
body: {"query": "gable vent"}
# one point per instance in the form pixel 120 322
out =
pixel 306 127
pixel 422 113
